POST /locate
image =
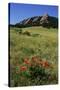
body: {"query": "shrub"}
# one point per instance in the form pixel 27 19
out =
pixel 27 33
pixel 35 70
pixel 20 31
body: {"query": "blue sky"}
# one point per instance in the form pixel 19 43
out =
pixel 19 12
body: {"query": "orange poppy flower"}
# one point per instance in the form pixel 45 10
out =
pixel 34 58
pixel 45 64
pixel 23 68
pixel 26 61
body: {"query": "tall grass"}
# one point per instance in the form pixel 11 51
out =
pixel 43 43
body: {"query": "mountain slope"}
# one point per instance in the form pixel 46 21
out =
pixel 45 21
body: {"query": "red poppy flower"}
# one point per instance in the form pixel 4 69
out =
pixel 45 64
pixel 26 61
pixel 23 68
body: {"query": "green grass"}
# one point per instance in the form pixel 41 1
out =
pixel 43 43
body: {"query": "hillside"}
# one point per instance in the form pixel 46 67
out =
pixel 45 21
pixel 33 56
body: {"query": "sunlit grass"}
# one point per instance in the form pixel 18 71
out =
pixel 42 43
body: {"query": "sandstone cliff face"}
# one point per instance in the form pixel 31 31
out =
pixel 45 21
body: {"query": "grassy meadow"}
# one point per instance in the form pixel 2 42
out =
pixel 33 56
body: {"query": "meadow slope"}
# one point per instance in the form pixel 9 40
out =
pixel 40 42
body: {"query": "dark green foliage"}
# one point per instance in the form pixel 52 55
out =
pixel 27 33
pixel 37 71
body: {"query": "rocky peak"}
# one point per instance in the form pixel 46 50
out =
pixel 44 19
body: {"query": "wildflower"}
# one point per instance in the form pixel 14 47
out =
pixel 34 58
pixel 45 64
pixel 26 61
pixel 23 68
